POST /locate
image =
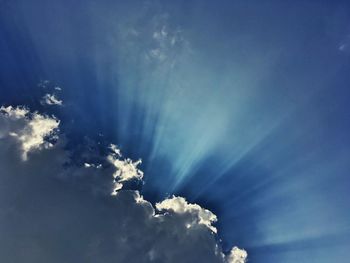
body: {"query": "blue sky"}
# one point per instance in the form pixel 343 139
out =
pixel 239 107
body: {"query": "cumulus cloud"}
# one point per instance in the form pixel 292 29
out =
pixel 179 205
pixel 237 255
pixel 45 220
pixel 51 99
pixel 31 130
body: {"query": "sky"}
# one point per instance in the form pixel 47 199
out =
pixel 159 131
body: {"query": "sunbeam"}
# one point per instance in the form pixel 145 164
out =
pixel 239 107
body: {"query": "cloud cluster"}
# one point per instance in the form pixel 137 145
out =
pixel 45 220
pixel 32 130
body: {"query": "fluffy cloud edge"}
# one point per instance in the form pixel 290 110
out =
pixel 125 169
pixel 36 132
pixel 179 205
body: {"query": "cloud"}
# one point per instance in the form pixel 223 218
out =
pixel 344 44
pixel 237 255
pixel 14 113
pixel 31 130
pixel 44 83
pixel 162 42
pixel 165 42
pixel 45 219
pixel 179 205
pixel 125 169
pixel 92 165
pixel 51 99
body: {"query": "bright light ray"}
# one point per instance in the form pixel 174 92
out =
pixel 251 122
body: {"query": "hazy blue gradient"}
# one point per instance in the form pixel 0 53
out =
pixel 239 106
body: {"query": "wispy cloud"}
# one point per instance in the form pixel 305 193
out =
pixel 51 99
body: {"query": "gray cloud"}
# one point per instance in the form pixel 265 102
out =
pixel 45 219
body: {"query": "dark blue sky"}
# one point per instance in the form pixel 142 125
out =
pixel 239 106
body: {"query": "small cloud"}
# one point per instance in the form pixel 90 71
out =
pixel 344 45
pixel 157 53
pixel 92 165
pixel 51 99
pixel 87 165
pixel 114 149
pixel 43 83
pixel 161 35
pixel 126 169
pixel 134 32
pixel 237 255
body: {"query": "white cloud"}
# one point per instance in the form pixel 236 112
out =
pixel 92 165
pixel 125 169
pixel 237 255
pixel 87 165
pixel 181 206
pixel 51 99
pixel 30 129
pixel 14 113
pixel 115 150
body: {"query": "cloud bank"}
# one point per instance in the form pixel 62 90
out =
pixel 46 219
